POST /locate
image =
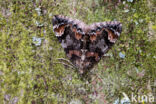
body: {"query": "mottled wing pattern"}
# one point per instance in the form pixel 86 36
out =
pixel 83 44
pixel 69 33
pixel 102 36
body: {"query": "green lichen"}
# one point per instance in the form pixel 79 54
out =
pixel 33 74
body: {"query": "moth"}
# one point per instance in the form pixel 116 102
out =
pixel 85 44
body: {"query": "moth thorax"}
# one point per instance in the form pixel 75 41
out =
pixel 83 56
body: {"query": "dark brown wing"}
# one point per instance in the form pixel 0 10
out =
pixel 69 33
pixel 102 37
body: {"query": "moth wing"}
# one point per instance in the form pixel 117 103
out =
pixel 66 30
pixel 102 37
